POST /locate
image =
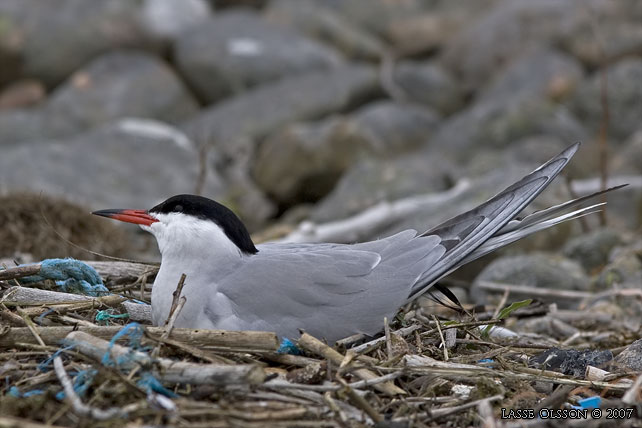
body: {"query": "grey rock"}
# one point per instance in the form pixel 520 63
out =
pixel 510 28
pixel 301 162
pixel 115 85
pixel 618 35
pixel 131 163
pixel 428 30
pixel 260 111
pixel 427 83
pixel 570 361
pixel 535 270
pixel 495 126
pixel 592 250
pixel 624 269
pixel 630 358
pixel 376 16
pixel 370 181
pixel 54 38
pixel 304 161
pixel 20 125
pixel 537 73
pixel 322 23
pixel 628 159
pixel 168 18
pixel 237 50
pixel 389 128
pixel 625 93
pixel 522 101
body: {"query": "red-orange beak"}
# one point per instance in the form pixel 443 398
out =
pixel 128 216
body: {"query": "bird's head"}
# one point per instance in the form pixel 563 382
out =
pixel 188 223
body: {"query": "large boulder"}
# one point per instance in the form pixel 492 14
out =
pixel 535 270
pixel 131 163
pixel 304 161
pixel 237 50
pixel 509 28
pixel 262 110
pixel 51 39
pixel 523 100
pixel 624 95
pixel 370 181
pixel 115 85
pixel 322 23
pixel 427 83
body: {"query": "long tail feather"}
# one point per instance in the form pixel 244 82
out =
pixel 464 233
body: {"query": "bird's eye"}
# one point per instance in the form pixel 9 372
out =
pixel 178 208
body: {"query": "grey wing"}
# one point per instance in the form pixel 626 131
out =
pixel 329 290
pixel 464 233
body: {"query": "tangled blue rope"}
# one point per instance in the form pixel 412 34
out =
pixel 72 276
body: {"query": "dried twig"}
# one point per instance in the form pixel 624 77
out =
pixel 441 335
pixel 230 341
pixel 79 407
pixel 316 346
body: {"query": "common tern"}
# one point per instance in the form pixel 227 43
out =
pixel 328 290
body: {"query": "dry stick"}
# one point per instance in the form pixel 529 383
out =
pixel 178 302
pixel 367 347
pixel 604 126
pixel 79 407
pixel 360 402
pixel 631 395
pixel 31 327
pixel 11 422
pixel 535 291
pixel 352 228
pixel 175 296
pixel 230 341
pixel 111 301
pixel 37 297
pixel 445 411
pixel 19 272
pixel 441 335
pixel 327 397
pixel 314 345
pixel 386 329
pixel 170 370
pixel 124 271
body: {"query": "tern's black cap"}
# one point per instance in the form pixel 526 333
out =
pixel 207 209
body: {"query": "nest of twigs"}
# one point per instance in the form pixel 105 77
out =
pixel 83 363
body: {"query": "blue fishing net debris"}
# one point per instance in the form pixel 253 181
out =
pixel 14 391
pixel 134 332
pixel 46 365
pixel 41 317
pixel 83 380
pixel 150 384
pixel 288 347
pixel 71 275
pixel 108 314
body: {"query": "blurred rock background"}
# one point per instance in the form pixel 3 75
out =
pixel 292 110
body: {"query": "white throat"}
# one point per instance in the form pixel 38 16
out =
pixel 196 247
